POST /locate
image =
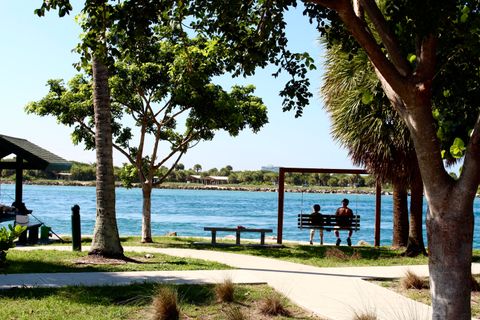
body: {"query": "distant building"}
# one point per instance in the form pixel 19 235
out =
pixel 270 168
pixel 208 179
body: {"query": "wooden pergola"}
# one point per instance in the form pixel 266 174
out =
pixel 281 196
pixel 28 156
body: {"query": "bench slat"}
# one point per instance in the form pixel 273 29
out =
pixel 237 231
pixel 329 222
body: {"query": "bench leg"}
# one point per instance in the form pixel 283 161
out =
pixel 214 236
pixel 22 239
pixel 33 235
pixel 262 238
pixel 237 238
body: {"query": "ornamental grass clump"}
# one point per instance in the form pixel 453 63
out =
pixel 235 313
pixel 225 291
pixel 413 281
pixel 165 305
pixel 368 315
pixel 273 306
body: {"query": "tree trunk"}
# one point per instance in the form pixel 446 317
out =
pixel 450 235
pixel 106 241
pixel 415 244
pixel 400 215
pixel 147 213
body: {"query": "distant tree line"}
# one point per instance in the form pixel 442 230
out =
pixel 86 172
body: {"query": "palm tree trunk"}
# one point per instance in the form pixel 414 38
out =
pixel 415 244
pixel 106 241
pixel 400 215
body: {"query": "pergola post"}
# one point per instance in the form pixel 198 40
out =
pixel 281 197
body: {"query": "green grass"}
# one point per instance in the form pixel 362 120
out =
pixel 126 302
pixel 320 256
pixel 65 261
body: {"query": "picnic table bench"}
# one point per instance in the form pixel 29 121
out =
pixel 329 222
pixel 237 231
pixel 30 235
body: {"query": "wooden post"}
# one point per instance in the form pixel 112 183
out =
pixel 281 196
pixel 19 180
pixel 378 212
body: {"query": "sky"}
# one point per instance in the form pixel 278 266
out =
pixel 37 49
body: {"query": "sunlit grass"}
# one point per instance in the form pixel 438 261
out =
pixel 130 302
pixel 69 261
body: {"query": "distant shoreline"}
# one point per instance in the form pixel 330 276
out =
pixel 189 186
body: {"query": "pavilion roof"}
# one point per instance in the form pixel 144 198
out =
pixel 34 157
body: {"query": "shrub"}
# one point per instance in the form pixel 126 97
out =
pixel 273 306
pixel 165 305
pixel 234 313
pixel 224 291
pixel 7 236
pixel 412 281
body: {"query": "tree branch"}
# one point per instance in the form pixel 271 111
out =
pixel 470 177
pixel 360 31
pixel 388 37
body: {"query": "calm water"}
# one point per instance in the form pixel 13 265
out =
pixel 188 211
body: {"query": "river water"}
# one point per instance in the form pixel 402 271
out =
pixel 186 212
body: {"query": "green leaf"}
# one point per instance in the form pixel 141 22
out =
pixel 443 154
pixel 411 58
pixel 446 93
pixel 457 149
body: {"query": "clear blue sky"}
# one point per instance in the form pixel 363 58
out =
pixel 37 49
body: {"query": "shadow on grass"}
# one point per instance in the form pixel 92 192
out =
pixel 135 294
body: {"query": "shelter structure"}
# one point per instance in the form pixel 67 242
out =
pixel 281 196
pixel 27 156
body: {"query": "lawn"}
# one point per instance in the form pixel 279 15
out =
pixel 135 302
pixel 320 256
pixel 72 261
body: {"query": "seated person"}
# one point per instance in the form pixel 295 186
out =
pixel 314 218
pixel 344 211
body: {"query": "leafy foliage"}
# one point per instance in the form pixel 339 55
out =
pixel 7 236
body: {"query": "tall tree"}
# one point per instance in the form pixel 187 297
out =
pixel 437 30
pixel 97 20
pixel 167 91
pixel 365 123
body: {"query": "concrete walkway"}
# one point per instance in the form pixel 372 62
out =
pixel 331 293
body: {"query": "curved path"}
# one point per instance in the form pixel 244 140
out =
pixel 331 293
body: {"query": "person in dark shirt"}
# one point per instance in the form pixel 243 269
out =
pixel 344 211
pixel 314 217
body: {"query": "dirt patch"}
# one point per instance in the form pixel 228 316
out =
pixel 95 260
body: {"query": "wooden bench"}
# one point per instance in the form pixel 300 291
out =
pixel 329 222
pixel 237 231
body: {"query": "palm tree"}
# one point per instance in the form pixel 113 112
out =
pixel 358 108
pixel 106 239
